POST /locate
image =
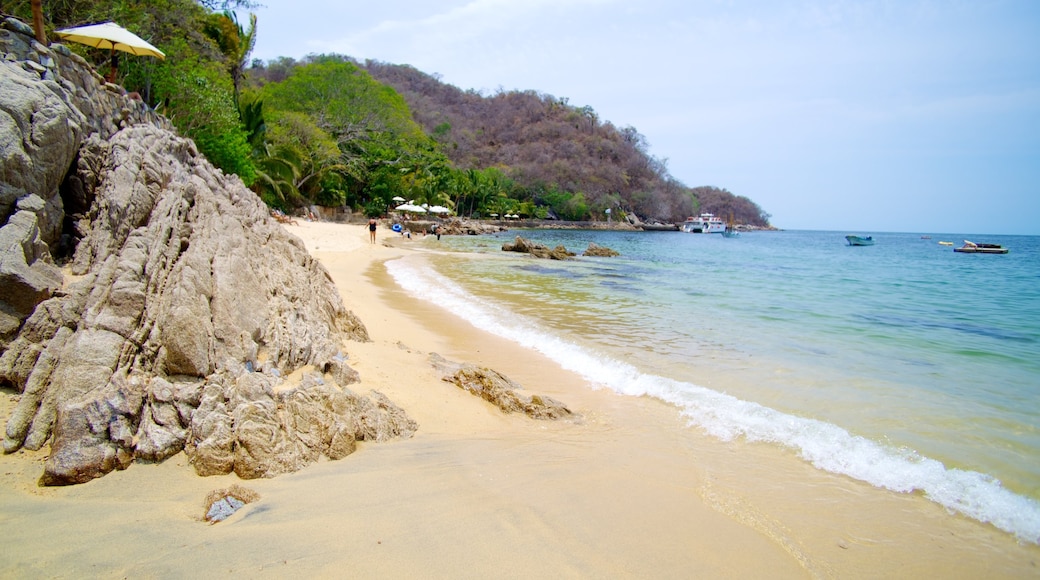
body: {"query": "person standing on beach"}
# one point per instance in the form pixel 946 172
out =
pixel 372 230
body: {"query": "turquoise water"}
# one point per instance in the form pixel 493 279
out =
pixel 903 364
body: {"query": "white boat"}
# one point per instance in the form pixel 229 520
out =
pixel 706 223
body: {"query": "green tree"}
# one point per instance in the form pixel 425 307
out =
pixel 197 96
pixel 381 151
pixel 311 151
pixel 235 43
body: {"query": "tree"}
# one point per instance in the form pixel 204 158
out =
pixel 311 152
pixel 381 151
pixel 235 43
pixel 197 95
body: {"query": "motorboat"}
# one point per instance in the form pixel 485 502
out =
pixel 973 248
pixel 859 241
pixel 706 223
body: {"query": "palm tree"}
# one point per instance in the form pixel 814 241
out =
pixel 278 171
pixel 235 43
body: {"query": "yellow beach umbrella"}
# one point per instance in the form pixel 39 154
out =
pixel 113 37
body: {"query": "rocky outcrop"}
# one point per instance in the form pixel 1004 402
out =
pixel 181 305
pixel 526 246
pixel 465 227
pixel 597 250
pixel 499 390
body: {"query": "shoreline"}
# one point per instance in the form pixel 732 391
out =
pixel 627 491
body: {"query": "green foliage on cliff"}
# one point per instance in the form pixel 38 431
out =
pixel 332 131
pixel 193 86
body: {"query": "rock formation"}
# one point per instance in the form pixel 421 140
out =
pixel 499 390
pixel 179 305
pixel 526 246
pixel 597 250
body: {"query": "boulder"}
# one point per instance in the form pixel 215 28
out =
pixel 597 250
pixel 176 286
pixel 499 390
pixel 526 246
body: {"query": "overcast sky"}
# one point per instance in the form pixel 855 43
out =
pixel 858 115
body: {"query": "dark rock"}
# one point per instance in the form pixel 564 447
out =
pixel 525 246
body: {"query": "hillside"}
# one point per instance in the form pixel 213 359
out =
pixel 543 143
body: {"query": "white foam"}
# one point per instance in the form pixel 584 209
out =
pixel 824 445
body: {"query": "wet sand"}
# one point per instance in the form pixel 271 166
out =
pixel 626 491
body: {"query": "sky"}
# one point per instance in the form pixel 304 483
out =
pixel 855 115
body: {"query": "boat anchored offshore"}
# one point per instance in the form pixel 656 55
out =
pixel 731 228
pixel 706 223
pixel 973 248
pixel 859 241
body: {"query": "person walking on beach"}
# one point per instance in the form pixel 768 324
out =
pixel 372 230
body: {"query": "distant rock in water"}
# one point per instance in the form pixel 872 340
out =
pixel 181 304
pixel 526 246
pixel 597 250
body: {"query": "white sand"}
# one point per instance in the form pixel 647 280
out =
pixel 626 492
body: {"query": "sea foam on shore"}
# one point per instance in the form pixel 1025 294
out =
pixel 824 445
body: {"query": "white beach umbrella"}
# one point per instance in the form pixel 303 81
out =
pixel 438 209
pixel 410 208
pixel 112 36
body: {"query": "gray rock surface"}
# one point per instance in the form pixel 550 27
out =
pixel 176 287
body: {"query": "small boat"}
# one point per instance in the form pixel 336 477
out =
pixel 731 228
pixel 973 248
pixel 859 241
pixel 945 243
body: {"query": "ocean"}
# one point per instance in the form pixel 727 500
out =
pixel 904 364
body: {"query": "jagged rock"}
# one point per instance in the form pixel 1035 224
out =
pixel 499 390
pixel 178 284
pixel 274 432
pixel 94 433
pixel 27 274
pixel 595 249
pixel 523 245
pixel 464 227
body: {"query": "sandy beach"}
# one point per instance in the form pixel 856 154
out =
pixel 626 491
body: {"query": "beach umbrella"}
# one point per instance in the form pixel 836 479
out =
pixel 438 209
pixel 397 198
pixel 410 208
pixel 113 37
